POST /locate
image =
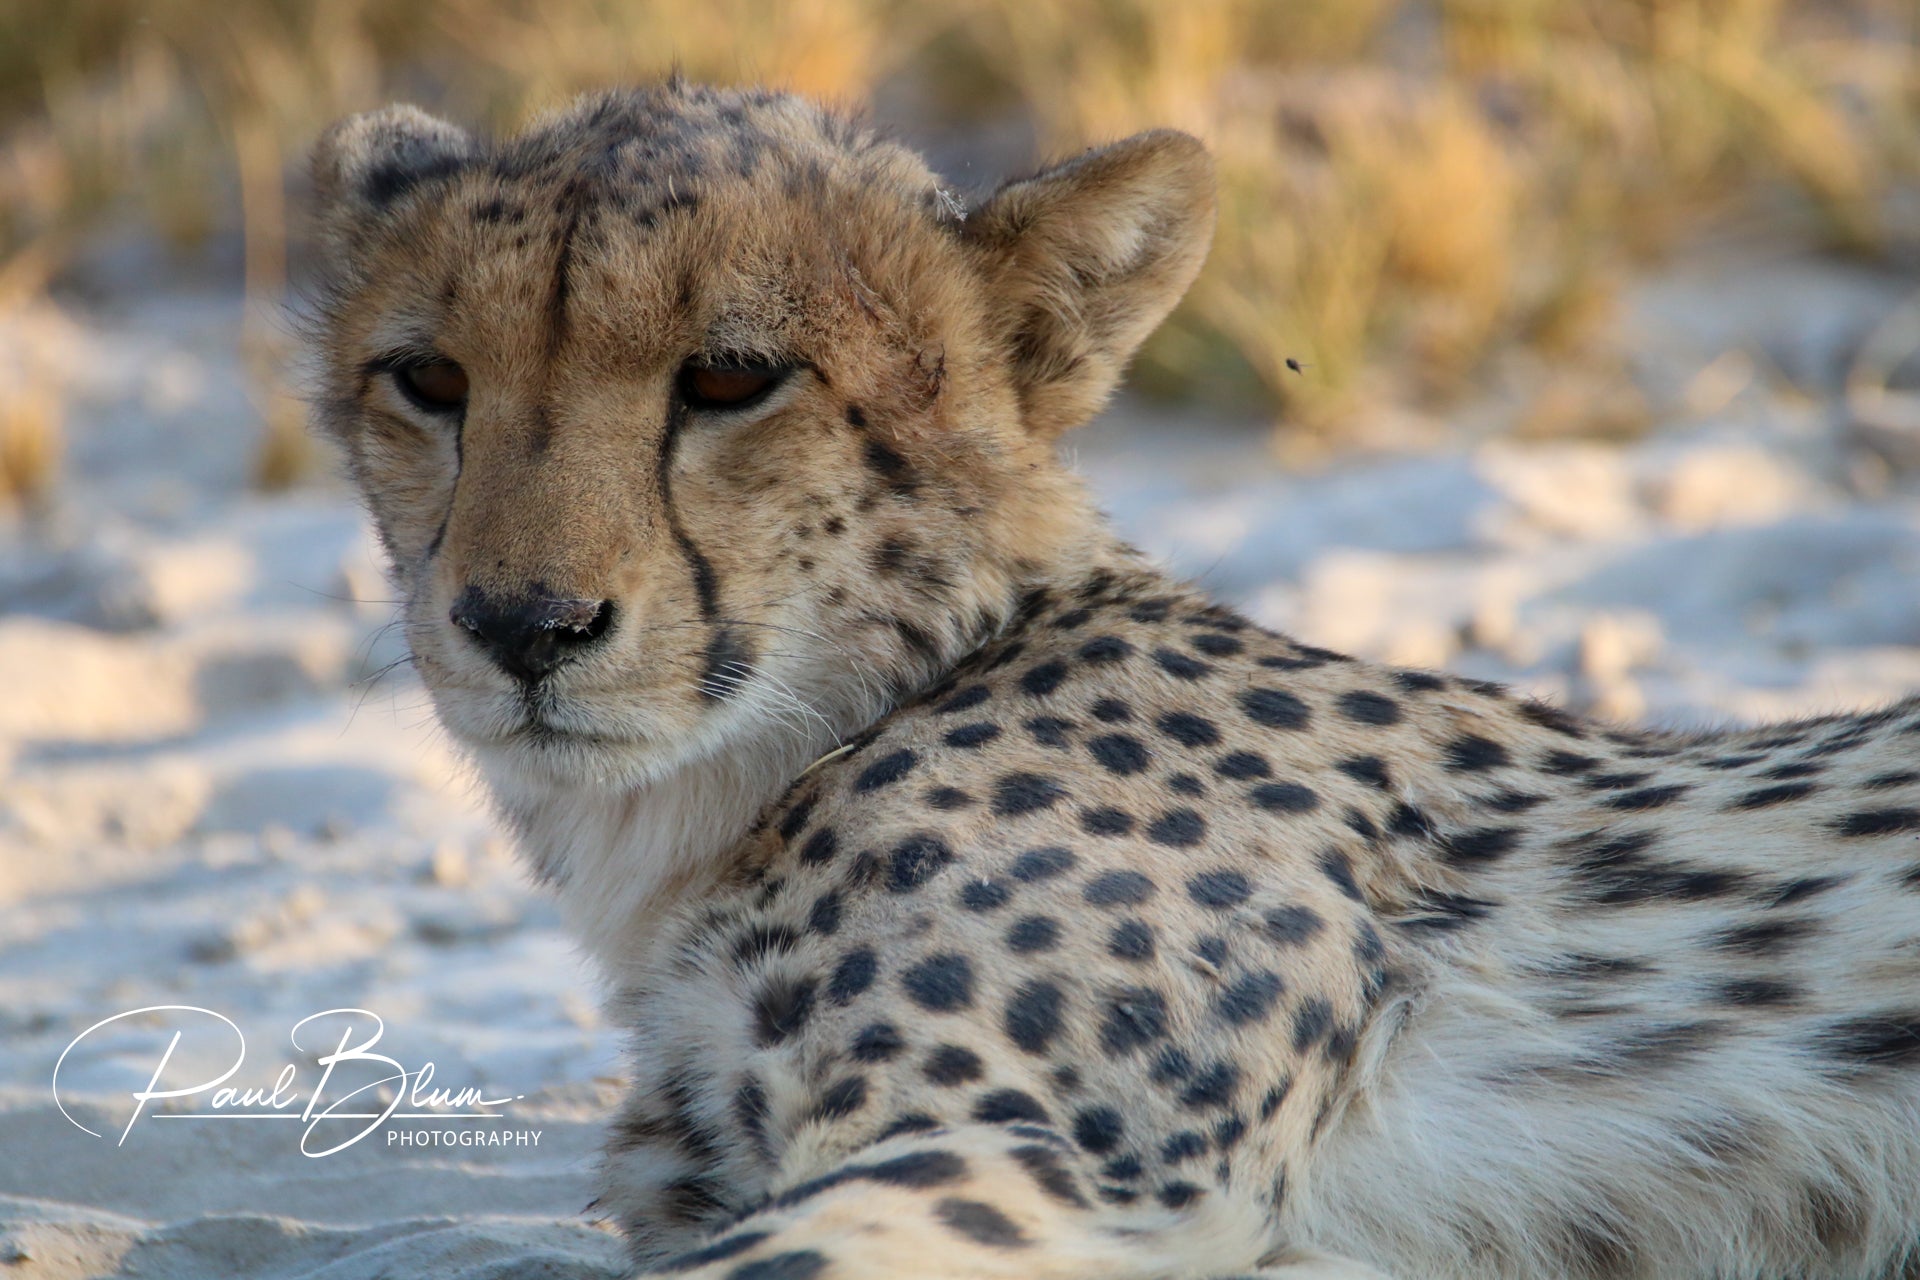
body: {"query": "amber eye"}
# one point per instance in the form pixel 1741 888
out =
pixel 438 386
pixel 728 386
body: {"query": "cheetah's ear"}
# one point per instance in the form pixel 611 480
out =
pixel 1085 259
pixel 365 163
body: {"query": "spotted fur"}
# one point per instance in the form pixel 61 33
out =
pixel 985 903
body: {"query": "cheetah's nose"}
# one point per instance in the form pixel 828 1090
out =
pixel 527 636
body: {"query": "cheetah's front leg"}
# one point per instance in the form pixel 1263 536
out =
pixel 984 1201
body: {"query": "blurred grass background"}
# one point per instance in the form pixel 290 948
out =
pixel 1414 193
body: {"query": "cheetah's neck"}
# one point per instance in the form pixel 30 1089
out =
pixel 617 859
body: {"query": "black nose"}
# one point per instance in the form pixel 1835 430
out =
pixel 527 636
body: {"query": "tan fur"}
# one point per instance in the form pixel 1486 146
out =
pixel 981 901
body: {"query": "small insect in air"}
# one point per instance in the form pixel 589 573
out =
pixel 1296 366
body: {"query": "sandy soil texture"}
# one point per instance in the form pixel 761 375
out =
pixel 216 789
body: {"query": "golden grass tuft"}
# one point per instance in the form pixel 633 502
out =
pixel 1408 189
pixel 30 444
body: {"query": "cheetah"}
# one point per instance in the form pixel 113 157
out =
pixel 982 901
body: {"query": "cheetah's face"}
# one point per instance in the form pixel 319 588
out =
pixel 690 414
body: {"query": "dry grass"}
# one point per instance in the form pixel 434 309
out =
pixel 1407 187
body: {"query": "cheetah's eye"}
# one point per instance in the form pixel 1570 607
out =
pixel 437 386
pixel 729 384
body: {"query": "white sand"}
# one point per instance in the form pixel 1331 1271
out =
pixel 202 803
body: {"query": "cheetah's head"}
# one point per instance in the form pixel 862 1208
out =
pixel 692 414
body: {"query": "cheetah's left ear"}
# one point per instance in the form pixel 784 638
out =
pixel 366 164
pixel 1085 259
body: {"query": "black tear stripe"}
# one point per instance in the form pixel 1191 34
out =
pixel 459 465
pixel 729 656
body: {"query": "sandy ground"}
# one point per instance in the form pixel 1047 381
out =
pixel 206 801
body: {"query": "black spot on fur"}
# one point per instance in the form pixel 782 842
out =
pixel 1106 821
pixel 795 819
pixel 1242 765
pixel 729 664
pixel 1479 846
pixel 1365 707
pixel 798 1264
pixel 1043 679
pixel 1006 1106
pixel 1755 993
pixel 1275 709
pixel 981 1223
pixel 965 700
pixel 886 771
pixel 1119 753
pixel 878 1042
pixel 949 1064
pixel 1183 1146
pixel 1249 998
pixel 1177 829
pixel 1214 1086
pixel 852 975
pixel 1112 711
pixel 970 736
pixel 1804 887
pixel 1474 754
pixel 1044 1166
pixel 891 467
pixel 1217 646
pixel 1339 868
pixel 1131 940
pixel 984 895
pixel 1647 798
pixel 1311 1023
pixel 1015 794
pixel 1566 762
pixel 1284 797
pixel 1118 888
pixel 1614 871
pixel 1049 731
pixel 1172 1065
pixel 1291 926
pixel 1103 650
pixel 940 983
pixel 842 1098
pixel 916 860
pixel 782 1008
pixel 1883 1041
pixel 1219 889
pixel 918 1169
pixel 1188 730
pixel 1098 1129
pixel 1033 933
pixel 1878 822
pixel 1178 1195
pixel 1767 797
pixel 1765 937
pixel 1179 665
pixel 1134 1018
pixel 1368 769
pixel 914 1122
pixel 1042 864
pixel 820 847
pixel 949 799
pixel 1033 1016
pixel 719 1251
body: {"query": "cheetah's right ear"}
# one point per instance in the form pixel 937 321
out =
pixel 1085 259
pixel 365 163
